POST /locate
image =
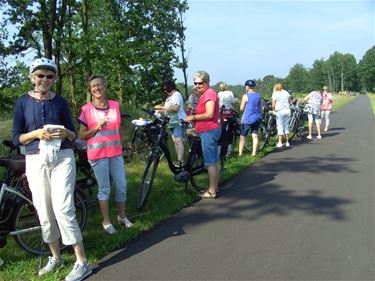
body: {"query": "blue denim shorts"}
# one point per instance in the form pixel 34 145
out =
pixel 178 132
pixel 253 128
pixel 209 140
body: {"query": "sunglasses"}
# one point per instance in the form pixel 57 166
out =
pixel 198 83
pixel 49 76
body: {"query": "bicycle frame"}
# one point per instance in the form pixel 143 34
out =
pixel 5 188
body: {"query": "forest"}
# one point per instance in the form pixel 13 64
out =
pixel 136 45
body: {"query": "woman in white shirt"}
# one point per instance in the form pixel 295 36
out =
pixel 281 101
pixel 174 108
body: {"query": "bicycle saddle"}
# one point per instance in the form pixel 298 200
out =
pixel 13 162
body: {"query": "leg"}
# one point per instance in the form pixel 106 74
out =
pixel 179 145
pixel 101 171
pixel 241 145
pixel 213 178
pixel 255 144
pixel 317 123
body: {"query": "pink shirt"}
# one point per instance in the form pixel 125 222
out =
pixel 213 123
pixel 327 101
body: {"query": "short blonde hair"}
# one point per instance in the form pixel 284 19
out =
pixel 203 76
pixel 277 87
pixel 325 88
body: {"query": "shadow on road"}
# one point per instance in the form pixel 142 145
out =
pixel 249 196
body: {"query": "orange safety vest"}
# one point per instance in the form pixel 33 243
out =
pixel 107 141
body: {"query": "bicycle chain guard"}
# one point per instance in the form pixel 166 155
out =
pixel 182 177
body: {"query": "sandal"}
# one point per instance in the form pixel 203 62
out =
pixel 207 195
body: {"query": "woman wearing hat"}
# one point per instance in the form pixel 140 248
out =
pixel 42 123
pixel 251 105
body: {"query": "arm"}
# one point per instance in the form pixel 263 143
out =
pixel 243 102
pixel 273 104
pixel 210 109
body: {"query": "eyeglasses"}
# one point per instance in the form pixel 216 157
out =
pixel 198 83
pixel 49 76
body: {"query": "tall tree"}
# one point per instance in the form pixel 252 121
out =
pixel 367 70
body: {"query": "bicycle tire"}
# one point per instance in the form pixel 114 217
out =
pixel 199 174
pixel 292 127
pixel 147 179
pixel 81 208
pixel 263 139
pixel 302 130
pixel 25 217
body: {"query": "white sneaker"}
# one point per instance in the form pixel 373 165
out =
pixel 79 272
pixel 278 145
pixel 109 228
pixel 52 265
pixel 309 137
pixel 287 144
pixel 124 221
pixel 319 137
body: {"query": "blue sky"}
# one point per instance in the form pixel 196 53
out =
pixel 237 40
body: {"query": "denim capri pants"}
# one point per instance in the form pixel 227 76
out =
pixel 107 169
pixel 178 132
pixel 209 142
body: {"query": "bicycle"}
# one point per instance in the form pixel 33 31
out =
pixel 18 217
pixel 193 169
pixel 230 131
pixel 297 121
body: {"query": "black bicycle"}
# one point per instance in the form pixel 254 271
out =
pixel 18 217
pixel 297 123
pixel 192 170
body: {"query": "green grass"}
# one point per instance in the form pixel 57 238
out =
pixel 371 96
pixel 166 198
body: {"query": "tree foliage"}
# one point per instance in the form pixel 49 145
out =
pixel 131 42
pixel 366 70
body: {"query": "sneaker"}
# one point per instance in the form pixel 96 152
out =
pixel 287 144
pixel 279 145
pixel 319 137
pixel 52 265
pixel 79 272
pixel 326 129
pixel 309 137
pixel 109 229
pixel 124 221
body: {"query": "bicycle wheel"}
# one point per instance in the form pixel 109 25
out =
pixel 292 127
pixel 263 138
pixel 30 237
pixel 81 208
pixel 26 221
pixel 147 179
pixel 302 130
pixel 198 172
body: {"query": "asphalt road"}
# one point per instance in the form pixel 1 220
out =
pixel 302 213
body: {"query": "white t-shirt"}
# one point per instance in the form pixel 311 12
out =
pixel 226 98
pixel 176 99
pixel 282 100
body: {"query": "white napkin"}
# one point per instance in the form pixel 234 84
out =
pixel 48 149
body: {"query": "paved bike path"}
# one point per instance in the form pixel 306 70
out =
pixel 302 213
